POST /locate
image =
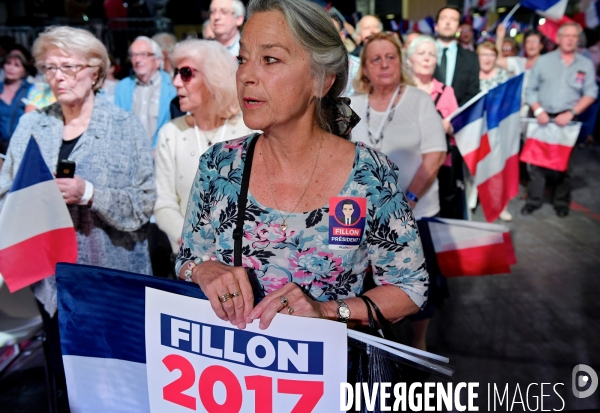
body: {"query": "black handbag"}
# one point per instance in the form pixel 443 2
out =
pixel 368 364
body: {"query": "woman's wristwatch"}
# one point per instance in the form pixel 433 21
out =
pixel 343 311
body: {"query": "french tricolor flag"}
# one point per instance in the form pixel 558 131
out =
pixel 486 130
pixel 36 230
pixel 552 9
pixel 102 335
pixel 550 145
pixel 468 248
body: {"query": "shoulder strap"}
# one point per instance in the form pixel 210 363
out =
pixel 238 231
pixel 369 313
pixel 384 324
pixel 437 99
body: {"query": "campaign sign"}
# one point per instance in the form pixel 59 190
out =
pixel 347 218
pixel 197 362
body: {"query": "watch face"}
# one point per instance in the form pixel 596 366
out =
pixel 344 312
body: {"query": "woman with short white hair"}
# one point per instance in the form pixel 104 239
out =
pixel 205 83
pixel 111 195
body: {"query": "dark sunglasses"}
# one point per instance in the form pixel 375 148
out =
pixel 186 72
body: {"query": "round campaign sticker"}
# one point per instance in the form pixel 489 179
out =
pixel 347 212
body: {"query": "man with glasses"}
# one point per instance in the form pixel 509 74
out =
pixel 466 39
pixel 149 91
pixel 226 17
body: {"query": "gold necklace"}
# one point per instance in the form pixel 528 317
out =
pixel 284 224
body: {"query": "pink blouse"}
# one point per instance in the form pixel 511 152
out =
pixel 447 103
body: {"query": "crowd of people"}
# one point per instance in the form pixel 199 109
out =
pixel 224 162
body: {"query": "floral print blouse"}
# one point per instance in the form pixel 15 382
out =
pixel 304 251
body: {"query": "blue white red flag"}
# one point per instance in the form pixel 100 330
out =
pixel 592 15
pixel 36 230
pixel 468 248
pixel 486 5
pixel 486 130
pixel 551 9
pixel 135 343
pixel 426 25
pixel 550 145
pixel 101 321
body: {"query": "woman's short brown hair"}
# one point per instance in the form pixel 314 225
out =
pixel 361 82
pixel 487 45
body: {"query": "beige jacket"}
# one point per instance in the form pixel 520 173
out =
pixel 177 157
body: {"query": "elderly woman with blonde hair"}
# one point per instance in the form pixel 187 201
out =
pixel 204 76
pixel 111 195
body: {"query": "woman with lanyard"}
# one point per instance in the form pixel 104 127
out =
pixel 204 77
pixel 401 121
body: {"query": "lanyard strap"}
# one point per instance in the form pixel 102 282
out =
pixel 377 137
pixel 197 130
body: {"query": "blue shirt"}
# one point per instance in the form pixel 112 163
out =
pixel 557 87
pixel 451 52
pixel 10 114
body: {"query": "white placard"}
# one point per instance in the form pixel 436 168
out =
pixel 197 362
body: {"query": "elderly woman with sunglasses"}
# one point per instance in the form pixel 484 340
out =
pixel 205 82
pixel 111 196
pixel 306 184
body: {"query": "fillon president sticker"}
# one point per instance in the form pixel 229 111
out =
pixel 347 218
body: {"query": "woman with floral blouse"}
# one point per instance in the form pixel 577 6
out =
pixel 321 210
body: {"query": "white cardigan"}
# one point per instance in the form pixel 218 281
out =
pixel 177 158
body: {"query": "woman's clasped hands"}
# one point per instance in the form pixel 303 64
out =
pixel 231 297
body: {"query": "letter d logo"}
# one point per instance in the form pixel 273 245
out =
pixel 581 380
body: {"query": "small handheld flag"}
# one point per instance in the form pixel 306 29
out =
pixel 36 230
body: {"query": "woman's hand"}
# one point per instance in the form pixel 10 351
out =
pixel 227 288
pixel 72 189
pixel 448 127
pixel 501 31
pixel 290 299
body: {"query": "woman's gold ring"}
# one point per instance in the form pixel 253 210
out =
pixel 235 294
pixel 284 301
pixel 224 297
pixel 290 310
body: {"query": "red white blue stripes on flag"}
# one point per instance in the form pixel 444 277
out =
pixel 36 230
pixel 486 131
pixel 468 248
pixel 592 15
pixel 103 341
pixel 550 145
pixel 552 9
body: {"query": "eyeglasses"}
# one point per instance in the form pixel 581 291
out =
pixel 186 72
pixel 223 12
pixel 143 55
pixel 68 70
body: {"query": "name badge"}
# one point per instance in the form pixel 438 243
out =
pixel 580 77
pixel 347 218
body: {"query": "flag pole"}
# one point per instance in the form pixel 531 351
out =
pixel 511 13
pixel 466 105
